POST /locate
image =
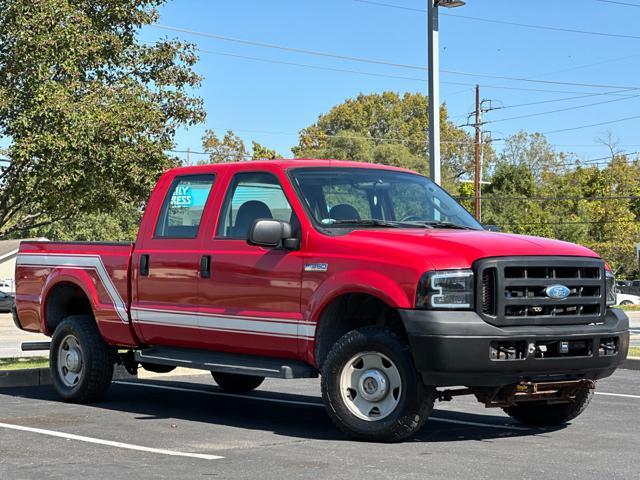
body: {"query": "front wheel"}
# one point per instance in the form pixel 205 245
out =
pixel 542 414
pixel 626 303
pixel 371 389
pixel 81 362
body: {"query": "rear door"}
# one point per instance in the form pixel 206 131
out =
pixel 167 262
pixel 251 302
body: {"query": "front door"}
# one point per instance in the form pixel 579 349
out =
pixel 251 302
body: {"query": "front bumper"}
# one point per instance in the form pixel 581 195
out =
pixel 455 348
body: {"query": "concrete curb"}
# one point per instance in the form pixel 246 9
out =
pixel 35 377
pixel 632 363
pixel 31 377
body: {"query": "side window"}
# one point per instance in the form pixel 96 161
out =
pixel 183 207
pixel 252 196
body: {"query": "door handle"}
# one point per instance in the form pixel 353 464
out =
pixel 144 265
pixel 205 266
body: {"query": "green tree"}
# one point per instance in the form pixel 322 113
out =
pixel 119 226
pixel 228 149
pixel 261 152
pixel 359 128
pixel 532 150
pixel 508 202
pixel 87 109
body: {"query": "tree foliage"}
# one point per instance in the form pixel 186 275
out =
pixel 231 148
pixel 87 109
pixel 387 128
pixel 533 192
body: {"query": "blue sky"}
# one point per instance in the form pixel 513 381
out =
pixel 270 102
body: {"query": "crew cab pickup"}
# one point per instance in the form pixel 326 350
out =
pixel 370 276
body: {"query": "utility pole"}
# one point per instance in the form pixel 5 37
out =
pixel 434 92
pixel 477 124
pixel 433 33
pixel 478 213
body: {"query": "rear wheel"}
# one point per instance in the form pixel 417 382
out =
pixel 371 389
pixel 231 382
pixel 81 362
pixel 542 414
pixel 626 302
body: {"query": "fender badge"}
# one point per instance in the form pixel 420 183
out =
pixel 316 267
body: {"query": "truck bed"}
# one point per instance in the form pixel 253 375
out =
pixel 100 271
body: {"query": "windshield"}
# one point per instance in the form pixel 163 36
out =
pixel 338 197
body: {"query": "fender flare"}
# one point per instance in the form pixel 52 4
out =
pixel 78 278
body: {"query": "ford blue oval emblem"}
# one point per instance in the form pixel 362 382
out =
pixel 557 292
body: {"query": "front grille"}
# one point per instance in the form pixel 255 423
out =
pixel 513 290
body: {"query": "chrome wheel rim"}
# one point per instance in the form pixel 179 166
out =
pixel 370 386
pixel 70 361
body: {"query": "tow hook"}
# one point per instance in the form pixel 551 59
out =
pixel 550 392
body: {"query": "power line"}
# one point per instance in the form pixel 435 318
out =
pixel 579 222
pixel 417 79
pixel 380 62
pixel 288 49
pixel 189 151
pixel 533 80
pixel 316 67
pixel 566 99
pixel 591 125
pixel 549 112
pixel 544 199
pixel 516 24
pixel 626 4
pixel 541 90
pixel 544 27
pixel 389 5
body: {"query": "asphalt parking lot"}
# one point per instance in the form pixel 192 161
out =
pixel 184 427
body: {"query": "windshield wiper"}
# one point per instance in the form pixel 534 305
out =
pixel 438 224
pixel 371 222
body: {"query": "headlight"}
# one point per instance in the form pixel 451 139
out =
pixel 446 289
pixel 611 289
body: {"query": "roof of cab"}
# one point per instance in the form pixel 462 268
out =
pixel 284 164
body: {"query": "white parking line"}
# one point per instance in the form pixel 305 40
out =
pixel 625 395
pixel 108 443
pixel 298 402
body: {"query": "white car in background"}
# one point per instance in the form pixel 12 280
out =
pixel 626 299
pixel 6 286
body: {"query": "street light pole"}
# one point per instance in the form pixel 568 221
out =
pixel 434 91
pixel 433 33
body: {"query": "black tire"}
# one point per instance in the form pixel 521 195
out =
pixel 97 360
pixel 540 414
pixel 233 383
pixel 415 400
pixel 626 302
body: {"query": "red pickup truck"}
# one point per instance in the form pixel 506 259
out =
pixel 371 276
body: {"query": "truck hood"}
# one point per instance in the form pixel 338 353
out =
pixel 460 248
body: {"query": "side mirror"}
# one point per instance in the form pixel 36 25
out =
pixel 269 233
pixel 492 228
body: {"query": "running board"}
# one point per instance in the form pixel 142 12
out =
pixel 226 362
pixel 35 346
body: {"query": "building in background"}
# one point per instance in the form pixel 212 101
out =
pixel 8 255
